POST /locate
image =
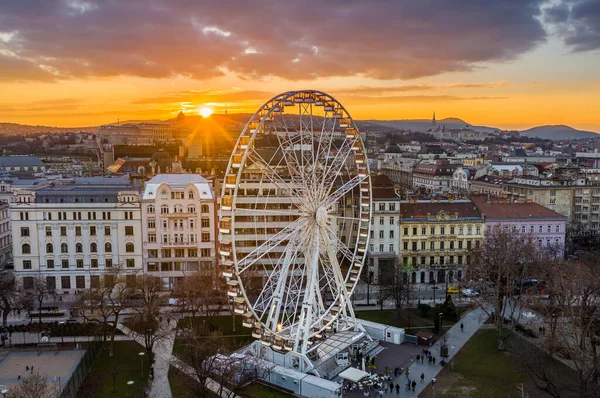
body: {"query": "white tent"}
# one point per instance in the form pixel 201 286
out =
pixel 353 374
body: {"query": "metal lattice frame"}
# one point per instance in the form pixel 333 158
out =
pixel 297 180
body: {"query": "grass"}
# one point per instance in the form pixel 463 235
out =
pixel 480 370
pixel 257 390
pixel 124 365
pixel 222 323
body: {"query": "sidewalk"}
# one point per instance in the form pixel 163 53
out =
pixel 455 339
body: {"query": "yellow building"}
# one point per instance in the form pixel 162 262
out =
pixel 437 238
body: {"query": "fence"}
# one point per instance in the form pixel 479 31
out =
pixel 83 368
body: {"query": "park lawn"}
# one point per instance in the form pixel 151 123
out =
pixel 257 390
pixel 125 364
pixel 391 317
pixel 223 323
pixel 480 370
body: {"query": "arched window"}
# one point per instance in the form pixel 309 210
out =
pixel 163 194
pixel 108 247
pixel 191 209
pixel 151 209
pixel 204 208
pixel 191 195
pixel 78 248
pixel 178 209
pixel 26 249
pixel 164 209
pixel 129 248
pixel 93 247
pixel 64 248
pixel 49 248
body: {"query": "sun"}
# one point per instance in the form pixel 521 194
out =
pixel 205 112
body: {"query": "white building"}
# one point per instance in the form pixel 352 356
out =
pixel 70 234
pixel 179 227
pixel 384 242
pixel 5 235
pixel 22 165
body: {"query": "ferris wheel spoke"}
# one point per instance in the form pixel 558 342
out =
pixel 345 189
pixel 271 173
pixel 268 246
pixel 339 245
pixel 338 163
pixel 264 212
pixel 344 295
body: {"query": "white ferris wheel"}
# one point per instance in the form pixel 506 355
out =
pixel 294 226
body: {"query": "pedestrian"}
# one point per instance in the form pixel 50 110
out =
pixel 392 387
pixel 386 387
pixel 462 327
pixel 407 372
pixel 168 321
pixel 408 385
pixel 422 378
pixel 418 358
pixel 381 393
pixel 414 384
pixel 429 358
pixel 433 360
pixel 540 330
pixel 396 372
pixel 398 389
pixel 423 359
pixel 19 377
pixel 424 351
pixel 26 368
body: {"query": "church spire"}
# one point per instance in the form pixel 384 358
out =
pixel 433 122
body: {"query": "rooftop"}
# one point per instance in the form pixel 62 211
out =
pixel 20 161
pixel 178 181
pixel 420 209
pixel 496 209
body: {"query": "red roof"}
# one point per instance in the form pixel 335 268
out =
pixel 421 209
pixel 495 209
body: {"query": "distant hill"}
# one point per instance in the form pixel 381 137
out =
pixel 423 125
pixel 558 132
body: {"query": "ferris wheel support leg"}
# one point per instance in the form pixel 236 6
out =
pixel 303 330
pixel 273 320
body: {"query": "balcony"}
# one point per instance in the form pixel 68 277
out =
pixel 178 243
pixel 180 215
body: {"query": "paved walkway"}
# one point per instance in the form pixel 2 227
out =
pixel 455 339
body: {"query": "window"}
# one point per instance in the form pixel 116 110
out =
pixel 391 220
pixel 381 221
pixel 164 224
pixel 192 252
pixel 152 238
pixel 392 206
pixel 414 246
pixel 432 230
pixel 78 248
pixel 63 231
pixel 381 248
pixel 558 228
pixel 164 209
pixel 165 238
pixel 391 234
pixel 179 253
pixel 540 229
pixel 24 231
pixel 166 253
pixel 460 258
pixel 48 231
pixel 151 223
pixel 451 245
pixel 204 209
pixel 26 249
pixel 93 247
pixel 129 248
pixel 478 230
pixel 64 263
pixel 191 195
pixel 205 223
pixel 442 243
pixel 130 280
pixel 107 231
pixel 94 281
pixel 64 248
pixel 531 229
pixel 460 230
pixel 51 283
pixel 93 231
pixel 94 263
pixel 163 195
pixel 26 264
pixel 423 231
pixel 423 245
pixel 128 231
pixel 380 234
pixel 80 282
pixel 469 244
pixel 382 207
pixel 108 263
pixel 431 245
pixel 405 231
pixel 77 231
pixel 79 263
pixel 442 230
pixel 391 247
pixel 28 282
pixel 372 234
pixel 204 252
pixel 50 264
pixel 191 209
pixel 150 209
pixel 552 192
pixel 205 237
pixel 108 247
pixel 130 263
pixel 451 230
pixel 522 229
pixel 460 244
pixel 405 245
pixel 65 282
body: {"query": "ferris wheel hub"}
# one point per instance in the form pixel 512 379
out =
pixel 321 216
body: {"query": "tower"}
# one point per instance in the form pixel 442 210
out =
pixel 433 122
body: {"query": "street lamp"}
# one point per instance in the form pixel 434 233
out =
pixel 130 393
pixel 141 354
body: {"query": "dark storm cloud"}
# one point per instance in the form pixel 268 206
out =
pixel 578 23
pixel 290 39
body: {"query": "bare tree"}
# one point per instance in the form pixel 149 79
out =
pixel 504 258
pixel 198 294
pixel 34 386
pixel 106 299
pixel 146 320
pixel 9 295
pixel 39 291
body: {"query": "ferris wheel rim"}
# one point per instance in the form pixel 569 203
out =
pixel 262 114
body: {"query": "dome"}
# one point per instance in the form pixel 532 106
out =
pixel 181 116
pixel 393 149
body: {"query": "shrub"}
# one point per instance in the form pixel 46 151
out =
pixel 424 309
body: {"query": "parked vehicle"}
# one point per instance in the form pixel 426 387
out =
pixel 452 290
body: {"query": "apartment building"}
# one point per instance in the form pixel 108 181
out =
pixel 178 227
pixel 71 234
pixel 437 238
pixel 5 235
pixel 433 177
pixel 384 242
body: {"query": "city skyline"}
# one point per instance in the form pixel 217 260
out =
pixel 510 65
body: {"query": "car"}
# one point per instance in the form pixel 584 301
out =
pixel 175 301
pixel 470 293
pixel 452 290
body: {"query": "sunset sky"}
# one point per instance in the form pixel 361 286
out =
pixel 508 64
